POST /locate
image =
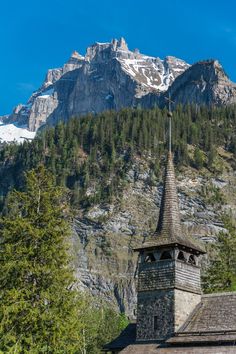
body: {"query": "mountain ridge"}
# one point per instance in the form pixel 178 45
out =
pixel 136 74
pixel 111 76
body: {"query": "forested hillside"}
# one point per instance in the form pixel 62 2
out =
pixel 95 151
pixel 112 166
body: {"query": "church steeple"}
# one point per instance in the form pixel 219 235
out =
pixel 169 218
pixel 169 285
pixel 169 229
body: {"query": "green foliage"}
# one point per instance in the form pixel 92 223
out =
pixel 92 154
pixel 198 158
pixel 100 325
pixel 38 308
pixel 40 312
pixel 211 156
pixel 221 273
pixel 212 195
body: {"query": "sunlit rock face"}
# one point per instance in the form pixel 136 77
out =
pixel 204 83
pixel 109 76
pixel 106 234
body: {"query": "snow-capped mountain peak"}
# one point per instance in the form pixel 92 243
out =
pixel 105 68
pixel 111 76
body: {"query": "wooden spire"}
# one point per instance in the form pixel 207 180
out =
pixel 169 217
pixel 169 230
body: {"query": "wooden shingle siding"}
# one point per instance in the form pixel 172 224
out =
pixel 157 275
pixel 187 277
pixel 169 274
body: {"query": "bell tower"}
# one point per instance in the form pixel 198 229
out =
pixel 169 286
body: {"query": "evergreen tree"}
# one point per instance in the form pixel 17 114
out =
pixel 211 155
pixel 221 273
pixel 98 146
pixel 38 308
pixel 198 158
pixel 100 324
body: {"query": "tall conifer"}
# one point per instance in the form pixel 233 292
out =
pixel 38 308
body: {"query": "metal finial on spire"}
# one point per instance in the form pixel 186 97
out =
pixel 169 228
pixel 169 114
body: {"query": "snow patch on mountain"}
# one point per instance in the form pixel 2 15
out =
pixel 47 93
pixel 153 73
pixel 14 133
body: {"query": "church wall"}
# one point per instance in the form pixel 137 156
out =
pixel 185 303
pixel 159 304
pixel 169 290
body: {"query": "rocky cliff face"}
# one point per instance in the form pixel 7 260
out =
pixel 43 101
pixel 105 235
pixel 110 76
pixel 204 83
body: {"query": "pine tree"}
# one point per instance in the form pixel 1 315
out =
pixel 221 274
pixel 38 308
pixel 198 158
pixel 211 155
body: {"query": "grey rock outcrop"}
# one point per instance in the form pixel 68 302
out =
pixel 105 235
pixel 43 101
pixel 204 83
pixel 110 76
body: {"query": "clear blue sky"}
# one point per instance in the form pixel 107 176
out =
pixel 37 35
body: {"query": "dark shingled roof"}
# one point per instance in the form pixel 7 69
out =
pixel 212 323
pixel 169 217
pixel 155 348
pixel 213 320
pixel 127 337
pixel 169 230
pixel 216 312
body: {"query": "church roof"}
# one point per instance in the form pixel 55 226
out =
pixel 214 319
pixel 159 349
pixel 127 337
pixel 169 229
pixel 211 324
